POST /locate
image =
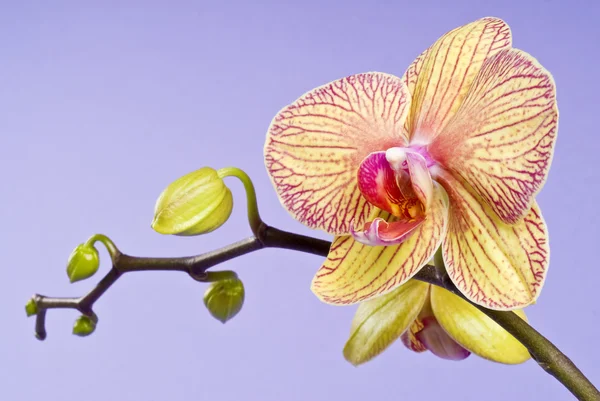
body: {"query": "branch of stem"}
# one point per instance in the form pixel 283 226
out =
pixel 546 354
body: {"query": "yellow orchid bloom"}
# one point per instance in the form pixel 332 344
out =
pixel 451 154
pixel 426 317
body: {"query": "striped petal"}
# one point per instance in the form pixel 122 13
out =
pixel 494 264
pixel 502 139
pixel 315 145
pixel 411 75
pixel 380 233
pixel 475 331
pixel 441 77
pixel 354 272
pixel 380 321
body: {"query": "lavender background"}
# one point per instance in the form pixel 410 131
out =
pixel 104 103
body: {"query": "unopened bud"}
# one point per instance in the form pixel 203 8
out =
pixel 197 203
pixel 84 326
pixel 31 308
pixel 83 263
pixel 224 298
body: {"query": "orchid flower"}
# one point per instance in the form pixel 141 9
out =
pixel 452 154
pixel 426 317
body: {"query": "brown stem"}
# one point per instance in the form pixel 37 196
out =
pixel 546 354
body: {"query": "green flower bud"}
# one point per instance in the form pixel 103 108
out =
pixel 31 308
pixel 197 203
pixel 84 326
pixel 83 263
pixel 224 298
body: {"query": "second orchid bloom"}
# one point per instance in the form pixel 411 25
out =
pixel 452 154
pixel 429 318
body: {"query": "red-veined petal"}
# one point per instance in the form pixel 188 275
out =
pixel 379 321
pixel 502 139
pixel 354 272
pixel 380 233
pixel 441 77
pixel 411 75
pixel 436 340
pixel 315 145
pixel 494 264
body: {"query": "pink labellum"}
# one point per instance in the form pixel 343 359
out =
pixel 381 233
pixel 387 189
pixel 439 342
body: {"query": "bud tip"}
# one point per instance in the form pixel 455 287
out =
pixel 31 308
pixel 83 263
pixel 84 326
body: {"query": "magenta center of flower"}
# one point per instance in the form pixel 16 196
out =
pixel 399 182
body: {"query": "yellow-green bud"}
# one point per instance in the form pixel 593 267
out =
pixel 83 263
pixel 31 308
pixel 84 326
pixel 197 203
pixel 224 298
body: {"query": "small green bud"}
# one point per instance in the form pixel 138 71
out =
pixel 83 263
pixel 84 326
pixel 31 308
pixel 224 298
pixel 197 203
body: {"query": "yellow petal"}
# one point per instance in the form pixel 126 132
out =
pixel 354 272
pixel 411 75
pixel 494 264
pixel 502 139
pixel 380 321
pixel 475 331
pixel 315 145
pixel 440 78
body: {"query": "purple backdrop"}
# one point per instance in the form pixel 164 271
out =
pixel 103 105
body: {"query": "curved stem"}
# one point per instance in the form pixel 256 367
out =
pixel 212 277
pixel 546 354
pixel 253 214
pixel 110 246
